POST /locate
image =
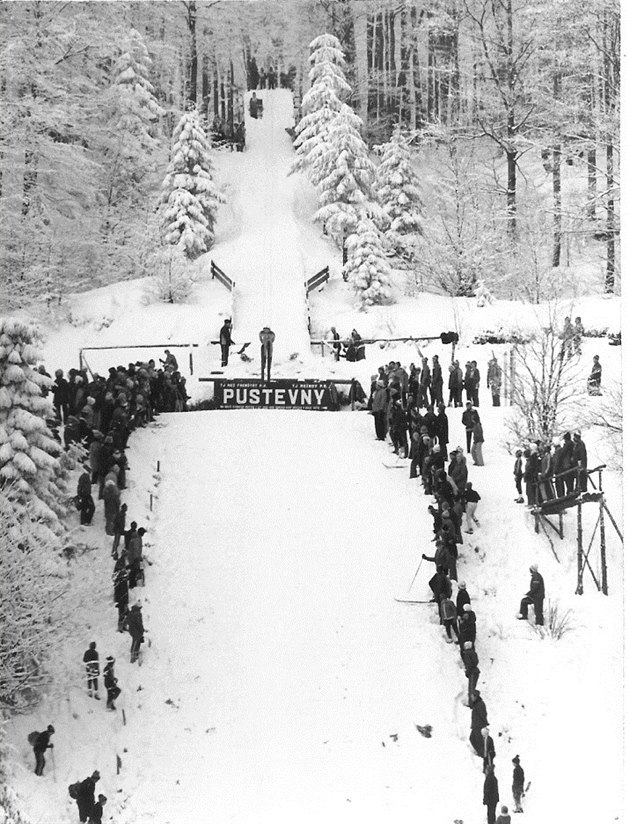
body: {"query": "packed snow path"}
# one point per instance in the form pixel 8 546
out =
pixel 276 637
pixel 264 256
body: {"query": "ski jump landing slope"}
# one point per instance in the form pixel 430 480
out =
pixel 280 665
pixel 264 255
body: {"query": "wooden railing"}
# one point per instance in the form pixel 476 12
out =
pixel 220 275
pixel 317 280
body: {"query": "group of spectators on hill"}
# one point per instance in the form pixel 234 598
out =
pixel 551 471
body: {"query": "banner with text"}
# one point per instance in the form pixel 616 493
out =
pixel 276 394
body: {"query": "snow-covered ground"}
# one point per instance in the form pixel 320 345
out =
pixel 281 669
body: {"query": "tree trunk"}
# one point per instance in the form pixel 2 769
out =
pixel 610 218
pixel 557 205
pixel 591 172
pixel 191 20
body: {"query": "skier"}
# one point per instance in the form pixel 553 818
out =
pixel 40 741
pixel 225 340
pixel 594 382
pixel 491 794
pixel 110 682
pixel 469 418
pixel 84 795
pixel 518 784
pixel 518 475
pixel 535 596
pixel 267 338
pixel 494 380
pixel 135 627
pixel 92 670
pixel 471 668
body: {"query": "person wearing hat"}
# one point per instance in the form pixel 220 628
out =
pixel 436 382
pixel 478 720
pixel 41 743
pixel 84 500
pixel 267 338
pixel 489 751
pixel 111 682
pixel 470 660
pixel 96 815
pixel 119 528
pixel 594 382
pixel 170 361
pixel 468 625
pixel 491 794
pixel 518 784
pixel 462 598
pixel 505 817
pixel 84 795
pixel 441 429
pixel 535 596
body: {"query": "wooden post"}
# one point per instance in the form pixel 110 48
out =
pixel 190 360
pixel 580 558
pixel 151 502
pixel 561 530
pixel 80 360
pixel 512 374
pixel 158 466
pixel 505 379
pixel 602 540
pixel 453 352
pixel 322 345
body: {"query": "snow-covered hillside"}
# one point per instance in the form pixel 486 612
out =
pixel 283 682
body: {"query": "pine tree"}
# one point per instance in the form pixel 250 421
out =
pixel 347 178
pixel 399 195
pixel 367 269
pixel 321 102
pixel 189 194
pixel 31 473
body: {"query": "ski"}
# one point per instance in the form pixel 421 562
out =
pixel 393 466
pixel 411 601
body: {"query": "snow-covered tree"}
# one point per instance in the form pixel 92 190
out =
pixel 189 195
pixel 346 192
pixel 31 473
pixel 173 275
pixel 133 113
pixel 398 193
pixel 367 269
pixel 321 102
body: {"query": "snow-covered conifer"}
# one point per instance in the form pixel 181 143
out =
pixel 367 269
pixel 30 471
pixel 189 196
pixel 398 193
pixel 173 275
pixel 347 177
pixel 329 88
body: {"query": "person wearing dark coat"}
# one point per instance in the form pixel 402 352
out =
pixel 468 625
pixel 424 382
pixel 535 596
pixel 472 379
pixel 85 501
pixel 594 382
pixel 458 472
pixel 462 599
pixel 379 410
pixel 135 627
pixel 111 501
pixel 119 528
pixel 60 396
pixel 225 341
pixel 40 745
pixel 491 794
pixel 110 682
pixel 489 752
pixel 415 453
pixel 455 384
pixel 96 815
pixel 448 614
pixel 518 475
pixel 436 382
pixel 441 430
pixel 134 556
pixel 92 670
pixel 398 430
pixel 564 485
pixel 478 720
pixel 580 460
pixel 469 418
pixel 430 422
pixel 530 475
pixel 85 795
pixel 440 585
pixel 518 784
pixel 470 660
pixel 121 590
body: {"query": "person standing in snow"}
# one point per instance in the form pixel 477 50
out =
pixel 472 379
pixel 535 596
pixel 462 599
pixel 455 384
pixel 491 794
pixel 111 502
pixel 580 459
pixel 472 498
pixel 85 795
pixel 134 557
pixel 470 660
pixel 494 380
pixel 518 475
pixel 578 334
pixel 60 396
pixel 267 338
pixel 518 784
pixel 379 410
pixel 489 753
pixel 505 817
pixel 470 417
pixel 477 443
pixel 568 337
pixel 424 382
pixel 135 627
pixel 85 501
pixel 110 682
pixel 478 720
pixel 336 345
pixel 441 429
pixel 225 341
pixel 92 670
pixel 40 742
pixel 436 382
pixel 119 528
pixel 594 382
pixel 96 814
pixel 121 589
pixel 468 625
pixel 448 614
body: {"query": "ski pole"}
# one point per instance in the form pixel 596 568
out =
pixel 415 576
pixel 52 759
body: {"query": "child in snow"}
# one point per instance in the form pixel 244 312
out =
pixel 505 817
